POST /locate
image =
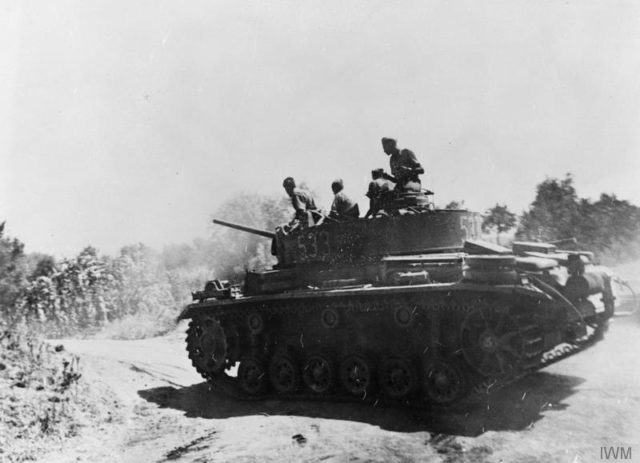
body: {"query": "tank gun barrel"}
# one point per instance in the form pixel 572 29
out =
pixel 255 231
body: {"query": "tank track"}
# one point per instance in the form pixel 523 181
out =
pixel 260 341
pixel 226 385
pixel 566 350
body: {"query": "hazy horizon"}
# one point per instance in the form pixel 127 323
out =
pixel 126 123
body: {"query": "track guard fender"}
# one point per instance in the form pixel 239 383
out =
pixel 187 313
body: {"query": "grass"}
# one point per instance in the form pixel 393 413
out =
pixel 41 396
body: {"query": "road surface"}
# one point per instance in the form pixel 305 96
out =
pixel 155 408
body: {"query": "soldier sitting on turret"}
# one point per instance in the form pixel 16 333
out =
pixel 343 208
pixel 405 167
pixel 379 192
pixel 302 203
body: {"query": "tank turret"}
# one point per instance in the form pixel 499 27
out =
pixel 361 251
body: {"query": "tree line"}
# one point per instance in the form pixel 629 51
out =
pixel 608 226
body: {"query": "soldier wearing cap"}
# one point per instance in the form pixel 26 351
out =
pixel 301 200
pixel 405 167
pixel 343 208
pixel 378 193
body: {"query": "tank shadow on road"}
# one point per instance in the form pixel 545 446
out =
pixel 512 408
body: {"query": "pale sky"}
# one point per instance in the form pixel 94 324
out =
pixel 130 121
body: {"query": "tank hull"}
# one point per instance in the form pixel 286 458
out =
pixel 424 344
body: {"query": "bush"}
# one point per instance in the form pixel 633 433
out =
pixel 39 403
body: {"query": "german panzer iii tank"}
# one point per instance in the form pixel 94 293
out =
pixel 410 308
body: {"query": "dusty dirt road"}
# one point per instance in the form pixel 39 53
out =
pixel 159 410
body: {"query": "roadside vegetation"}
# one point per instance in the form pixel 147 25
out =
pixel 40 402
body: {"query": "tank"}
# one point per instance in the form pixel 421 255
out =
pixel 409 308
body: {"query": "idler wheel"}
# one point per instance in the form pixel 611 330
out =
pixel 252 375
pixel 397 378
pixel 318 373
pixel 284 374
pixel 444 381
pixel 207 346
pixel 492 341
pixel 356 375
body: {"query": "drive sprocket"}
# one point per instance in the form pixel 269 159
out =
pixel 207 346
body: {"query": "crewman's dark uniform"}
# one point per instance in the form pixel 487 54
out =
pixel 404 168
pixel 379 188
pixel 378 193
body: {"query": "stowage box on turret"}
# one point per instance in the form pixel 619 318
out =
pixel 410 307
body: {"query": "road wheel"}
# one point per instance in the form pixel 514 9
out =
pixel 284 374
pixel 444 381
pixel 318 373
pixel 398 378
pixel 356 374
pixel 252 375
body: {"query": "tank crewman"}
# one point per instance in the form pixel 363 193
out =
pixel 378 193
pixel 302 202
pixel 343 208
pixel 405 167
